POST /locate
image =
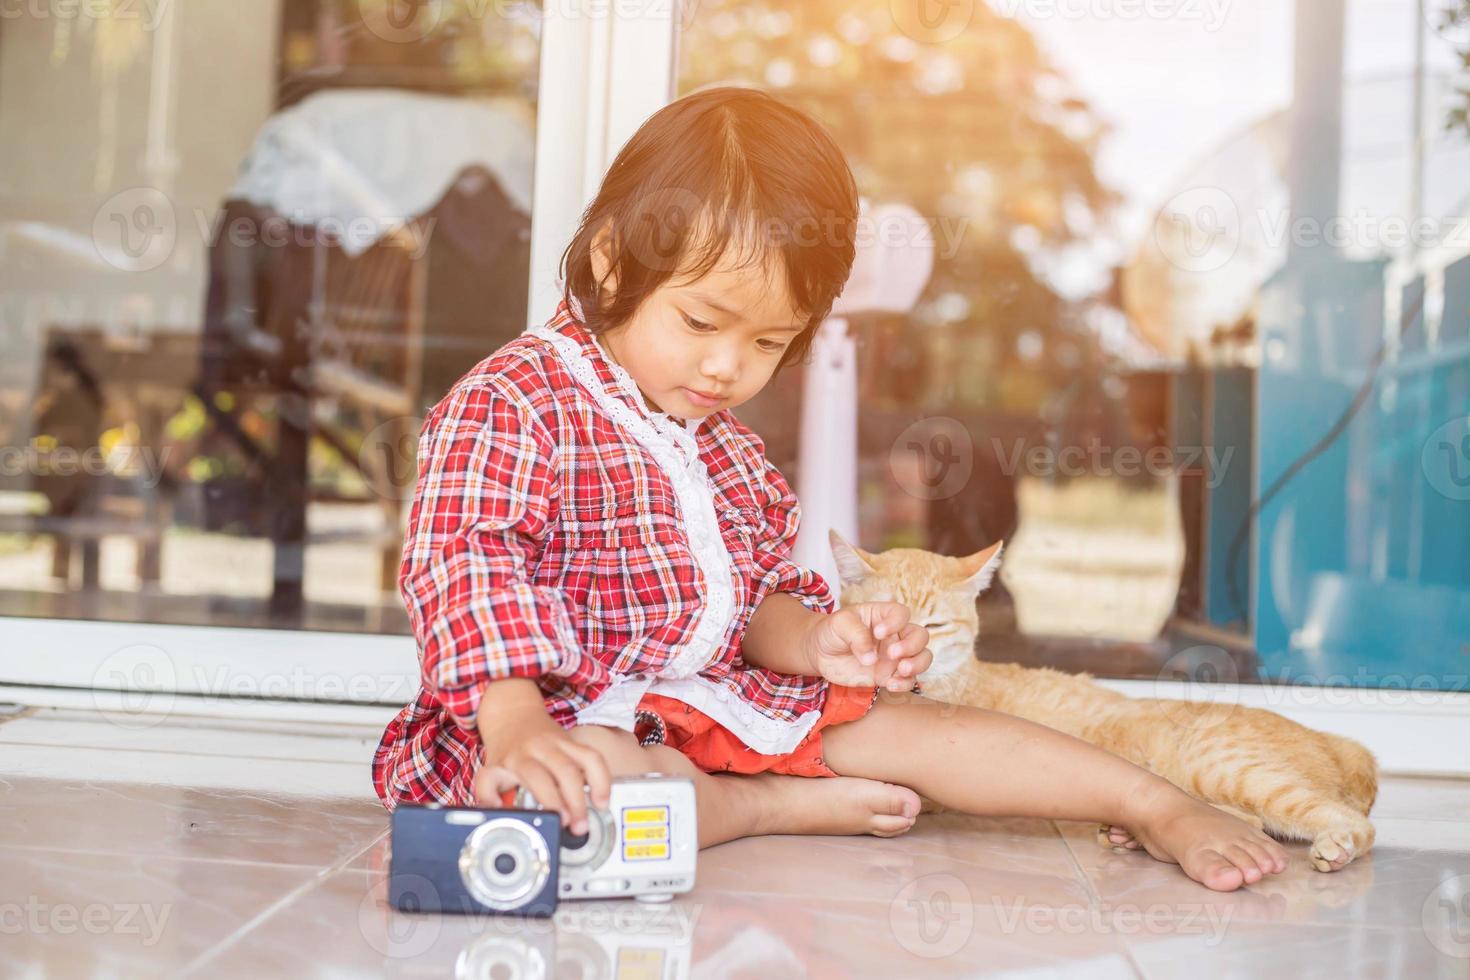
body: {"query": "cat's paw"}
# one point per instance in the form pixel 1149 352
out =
pixel 1332 850
pixel 1114 837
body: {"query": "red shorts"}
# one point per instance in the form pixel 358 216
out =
pixel 714 748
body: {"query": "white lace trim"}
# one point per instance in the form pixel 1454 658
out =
pixel 675 451
pixel 764 734
pixel 617 707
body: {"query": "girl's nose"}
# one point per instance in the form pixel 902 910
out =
pixel 722 370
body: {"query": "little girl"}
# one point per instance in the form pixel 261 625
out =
pixel 597 568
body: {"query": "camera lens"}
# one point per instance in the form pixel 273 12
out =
pixel 504 863
pixel 591 849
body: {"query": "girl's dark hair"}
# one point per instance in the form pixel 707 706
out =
pixel 718 167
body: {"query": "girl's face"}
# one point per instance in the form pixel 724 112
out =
pixel 723 336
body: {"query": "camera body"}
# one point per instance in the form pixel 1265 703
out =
pixel 467 859
pixel 644 845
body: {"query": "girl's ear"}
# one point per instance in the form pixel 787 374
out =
pixel 979 568
pixel 853 563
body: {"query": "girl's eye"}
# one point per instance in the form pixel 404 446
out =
pixel 698 326
pixel 771 347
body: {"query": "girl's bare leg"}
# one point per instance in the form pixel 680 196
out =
pixel 733 806
pixel 989 763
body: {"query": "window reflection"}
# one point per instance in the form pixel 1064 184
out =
pixel 245 247
pixel 1169 250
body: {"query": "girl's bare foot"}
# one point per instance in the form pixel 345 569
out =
pixel 1114 836
pixel 1218 850
pixel 832 805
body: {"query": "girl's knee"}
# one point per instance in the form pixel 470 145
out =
pixel 625 757
pixel 668 761
pixel 618 748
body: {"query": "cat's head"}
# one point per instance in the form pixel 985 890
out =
pixel 939 591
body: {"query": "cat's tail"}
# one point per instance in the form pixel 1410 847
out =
pixel 1360 771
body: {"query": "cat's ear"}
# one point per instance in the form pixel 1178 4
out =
pixel 852 562
pixel 979 568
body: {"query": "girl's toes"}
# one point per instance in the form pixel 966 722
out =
pixel 886 825
pixel 901 802
pixel 1263 858
pixel 1242 859
pixel 1211 869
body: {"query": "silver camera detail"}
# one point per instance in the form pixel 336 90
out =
pixel 644 845
pixel 504 864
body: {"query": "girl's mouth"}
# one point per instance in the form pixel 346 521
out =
pixel 701 399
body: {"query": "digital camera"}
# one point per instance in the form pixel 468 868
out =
pixel 644 845
pixel 466 859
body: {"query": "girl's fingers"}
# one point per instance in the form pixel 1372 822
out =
pixel 568 775
pixel 594 771
pixel 491 782
pixel 542 784
pixel 919 663
pixel 889 618
pixel 882 673
pixel 856 636
pixel 910 640
pixel 915 638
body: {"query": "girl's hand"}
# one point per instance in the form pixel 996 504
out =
pixel 870 644
pixel 524 746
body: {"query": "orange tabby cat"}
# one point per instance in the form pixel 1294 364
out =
pixel 1297 783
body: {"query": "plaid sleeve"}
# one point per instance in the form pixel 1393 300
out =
pixel 773 549
pixel 486 496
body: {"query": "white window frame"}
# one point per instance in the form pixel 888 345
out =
pixel 602 73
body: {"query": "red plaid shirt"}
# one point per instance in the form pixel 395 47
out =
pixel 547 541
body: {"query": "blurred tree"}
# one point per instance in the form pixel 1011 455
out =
pixel 981 134
pixel 1457 20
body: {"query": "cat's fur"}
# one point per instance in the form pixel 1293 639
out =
pixel 1297 783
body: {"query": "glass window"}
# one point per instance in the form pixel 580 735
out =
pixel 245 245
pixel 1196 328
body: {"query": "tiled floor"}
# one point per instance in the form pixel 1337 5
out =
pixel 209 848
